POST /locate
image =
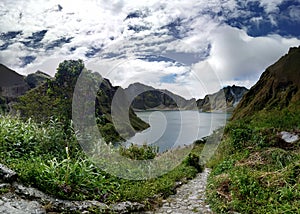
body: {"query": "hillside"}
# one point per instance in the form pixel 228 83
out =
pixel 146 97
pixel 225 99
pixel 36 79
pixel 12 84
pixel 149 98
pixel 256 168
pixel 53 99
pixel 278 87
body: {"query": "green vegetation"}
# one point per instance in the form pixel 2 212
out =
pixel 41 146
pixel 254 170
pixel 48 157
pixel 277 87
pixel 3 105
pixel 35 79
pixel 135 152
pixel 53 99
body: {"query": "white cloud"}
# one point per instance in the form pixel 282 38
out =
pixel 270 6
pixel 238 58
pixel 234 57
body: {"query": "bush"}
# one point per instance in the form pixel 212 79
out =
pixel 136 152
pixel 194 161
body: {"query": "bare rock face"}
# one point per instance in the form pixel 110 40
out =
pixel 10 203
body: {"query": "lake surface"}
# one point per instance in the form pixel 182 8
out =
pixel 171 129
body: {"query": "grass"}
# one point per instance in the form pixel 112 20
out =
pixel 254 170
pixel 48 157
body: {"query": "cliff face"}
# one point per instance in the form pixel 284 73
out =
pixel 224 100
pixel 144 97
pixel 277 87
pixel 12 84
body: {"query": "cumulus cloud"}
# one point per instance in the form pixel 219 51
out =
pixel 237 58
pixel 115 38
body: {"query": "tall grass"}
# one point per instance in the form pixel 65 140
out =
pixel 48 157
pixel 254 170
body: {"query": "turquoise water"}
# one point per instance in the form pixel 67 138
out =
pixel 171 129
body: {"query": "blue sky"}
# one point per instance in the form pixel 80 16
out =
pixel 191 47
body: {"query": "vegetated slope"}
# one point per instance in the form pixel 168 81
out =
pixel 256 168
pixel 53 99
pixel 12 85
pixel 36 79
pixel 10 78
pixel 225 99
pixel 48 156
pixel 277 87
pixel 145 97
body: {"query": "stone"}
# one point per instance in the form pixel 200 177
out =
pixel 127 207
pixel 289 137
pixel 189 198
pixel 7 174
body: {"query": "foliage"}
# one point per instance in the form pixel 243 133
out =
pixel 136 152
pixel 48 158
pixel 54 99
pixel 193 160
pixel 254 170
pixel 3 105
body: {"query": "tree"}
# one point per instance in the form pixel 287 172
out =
pixel 68 71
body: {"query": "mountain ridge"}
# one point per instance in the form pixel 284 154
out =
pixel 146 97
pixel 225 100
pixel 277 87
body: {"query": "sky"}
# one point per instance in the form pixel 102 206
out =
pixel 190 47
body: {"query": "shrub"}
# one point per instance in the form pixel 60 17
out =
pixel 136 152
pixel 194 161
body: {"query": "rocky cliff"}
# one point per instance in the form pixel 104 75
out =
pixel 278 86
pixel 225 99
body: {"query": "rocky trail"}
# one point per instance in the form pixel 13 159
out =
pixel 190 198
pixel 16 198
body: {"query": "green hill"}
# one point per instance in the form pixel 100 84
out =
pixel 36 79
pixel 12 85
pixel 278 87
pixel 256 168
pixel 148 98
pixel 53 99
